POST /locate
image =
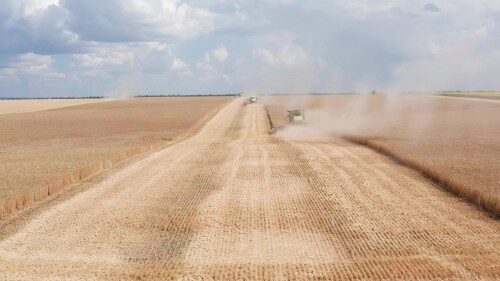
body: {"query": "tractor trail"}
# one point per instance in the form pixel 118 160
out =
pixel 233 202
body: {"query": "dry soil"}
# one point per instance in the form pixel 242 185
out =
pixel 234 202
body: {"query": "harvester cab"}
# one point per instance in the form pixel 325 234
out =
pixel 296 116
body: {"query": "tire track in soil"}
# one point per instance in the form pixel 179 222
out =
pixel 176 211
pixel 138 216
pixel 345 206
pixel 358 172
pixel 233 202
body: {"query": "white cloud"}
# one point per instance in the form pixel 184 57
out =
pixel 205 70
pixel 285 68
pixel 30 65
pixel 220 53
pixel 181 68
pixel 36 26
pixel 122 58
pixel 137 20
pixel 284 45
pixel 169 17
pixel 105 59
pixel 35 7
pixel 289 55
pixel 454 64
pixel 68 26
pixel 179 65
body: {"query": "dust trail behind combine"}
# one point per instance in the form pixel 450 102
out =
pixel 234 202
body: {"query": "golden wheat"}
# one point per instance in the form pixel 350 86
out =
pixel 453 141
pixel 20 106
pixel 43 152
pixel 235 203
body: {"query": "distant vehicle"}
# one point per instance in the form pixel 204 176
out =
pixel 297 116
pixel 240 94
pixel 253 99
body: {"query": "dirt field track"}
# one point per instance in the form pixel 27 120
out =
pixel 233 202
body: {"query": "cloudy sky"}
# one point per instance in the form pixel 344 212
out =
pixel 95 47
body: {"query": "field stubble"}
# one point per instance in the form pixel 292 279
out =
pixel 453 141
pixel 233 202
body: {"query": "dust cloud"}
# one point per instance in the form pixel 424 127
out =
pixel 413 117
pixel 127 88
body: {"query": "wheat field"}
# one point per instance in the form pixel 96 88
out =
pixel 43 152
pixel 20 106
pixel 455 141
pixel 483 94
pixel 235 203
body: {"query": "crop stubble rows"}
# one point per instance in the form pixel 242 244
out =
pixel 234 202
pixel 454 141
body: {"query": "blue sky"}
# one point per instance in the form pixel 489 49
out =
pixel 95 47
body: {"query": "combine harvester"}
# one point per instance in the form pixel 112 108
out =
pixel 297 116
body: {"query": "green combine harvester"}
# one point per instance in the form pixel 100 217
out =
pixel 296 116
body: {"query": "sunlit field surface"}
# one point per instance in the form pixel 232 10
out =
pixel 41 152
pixel 19 106
pixel 454 141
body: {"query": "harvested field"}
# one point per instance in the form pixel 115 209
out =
pixel 42 152
pixel 235 203
pixel 490 95
pixel 20 106
pixel 492 99
pixel 454 141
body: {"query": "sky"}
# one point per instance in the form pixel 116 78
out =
pixel 78 48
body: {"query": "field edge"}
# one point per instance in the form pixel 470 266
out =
pixel 13 205
pixel 485 203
